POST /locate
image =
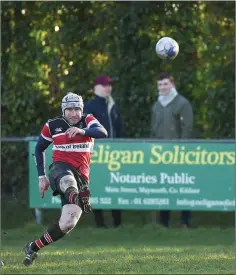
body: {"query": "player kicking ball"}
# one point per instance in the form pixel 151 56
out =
pixel 72 137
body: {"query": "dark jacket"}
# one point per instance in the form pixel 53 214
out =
pixel 173 121
pixel 110 121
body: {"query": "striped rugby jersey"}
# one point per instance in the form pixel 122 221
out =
pixel 77 150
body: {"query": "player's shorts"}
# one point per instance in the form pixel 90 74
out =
pixel 59 169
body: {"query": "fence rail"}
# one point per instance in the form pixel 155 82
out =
pixel 33 138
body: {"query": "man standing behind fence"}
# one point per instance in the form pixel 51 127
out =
pixel 172 118
pixel 106 112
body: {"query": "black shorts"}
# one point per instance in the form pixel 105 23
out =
pixel 59 169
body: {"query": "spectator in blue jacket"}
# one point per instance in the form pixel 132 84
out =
pixel 106 111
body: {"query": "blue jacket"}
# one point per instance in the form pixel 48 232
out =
pixel 111 122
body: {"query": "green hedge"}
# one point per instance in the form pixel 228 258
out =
pixel 39 65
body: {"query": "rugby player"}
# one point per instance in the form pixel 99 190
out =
pixel 72 135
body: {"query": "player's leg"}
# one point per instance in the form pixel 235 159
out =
pixel 66 185
pixel 70 215
pixel 82 187
pixel 71 210
pixel 165 217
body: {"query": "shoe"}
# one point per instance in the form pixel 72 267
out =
pixel 30 255
pixel 102 226
pixel 185 226
pixel 117 225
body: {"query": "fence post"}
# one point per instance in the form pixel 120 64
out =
pixel 39 216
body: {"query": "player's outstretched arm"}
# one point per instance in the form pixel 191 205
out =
pixel 40 147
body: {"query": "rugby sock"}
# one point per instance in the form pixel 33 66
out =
pixel 72 195
pixel 53 234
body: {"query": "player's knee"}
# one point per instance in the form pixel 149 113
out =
pixel 67 181
pixel 69 218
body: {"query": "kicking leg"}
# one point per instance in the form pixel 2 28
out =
pixel 70 215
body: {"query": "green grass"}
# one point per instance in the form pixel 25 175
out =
pixel 130 250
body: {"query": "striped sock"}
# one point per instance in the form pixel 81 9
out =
pixel 71 195
pixel 53 234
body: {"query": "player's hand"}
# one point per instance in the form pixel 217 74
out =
pixel 73 131
pixel 43 185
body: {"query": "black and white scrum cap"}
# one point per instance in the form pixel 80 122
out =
pixel 72 100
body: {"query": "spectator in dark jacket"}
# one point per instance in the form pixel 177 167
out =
pixel 105 110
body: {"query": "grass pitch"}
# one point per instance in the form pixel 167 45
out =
pixel 129 250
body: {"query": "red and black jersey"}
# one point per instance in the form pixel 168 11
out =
pixel 76 150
